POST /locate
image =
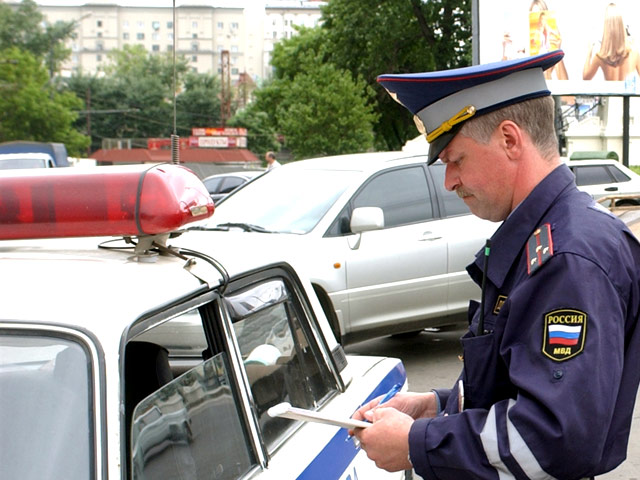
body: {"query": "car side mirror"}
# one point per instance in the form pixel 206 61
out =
pixel 364 219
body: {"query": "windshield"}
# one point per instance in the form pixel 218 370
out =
pixel 285 200
pixel 44 408
pixel 9 164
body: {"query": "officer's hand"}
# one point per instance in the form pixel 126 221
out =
pixel 416 405
pixel 387 440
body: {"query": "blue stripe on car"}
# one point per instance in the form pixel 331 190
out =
pixel 340 451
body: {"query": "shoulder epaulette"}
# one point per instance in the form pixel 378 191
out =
pixel 539 248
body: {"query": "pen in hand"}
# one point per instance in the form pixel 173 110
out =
pixel 390 394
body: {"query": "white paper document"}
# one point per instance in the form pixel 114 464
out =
pixel 287 411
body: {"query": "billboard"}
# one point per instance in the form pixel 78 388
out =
pixel 600 38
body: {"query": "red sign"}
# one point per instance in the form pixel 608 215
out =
pixel 165 143
pixel 219 132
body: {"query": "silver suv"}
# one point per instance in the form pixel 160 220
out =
pixel 385 245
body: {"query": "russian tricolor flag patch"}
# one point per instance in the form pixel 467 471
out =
pixel 564 333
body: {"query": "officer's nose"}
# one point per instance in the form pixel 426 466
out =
pixel 451 178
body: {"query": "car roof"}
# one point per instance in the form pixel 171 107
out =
pixel 590 161
pixel 243 173
pixel 103 290
pixel 598 161
pixel 370 161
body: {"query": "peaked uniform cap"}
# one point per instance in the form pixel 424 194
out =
pixel 442 101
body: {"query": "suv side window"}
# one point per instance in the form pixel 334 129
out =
pixel 282 362
pixel 451 204
pixel 402 194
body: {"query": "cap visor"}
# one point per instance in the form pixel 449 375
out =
pixel 439 144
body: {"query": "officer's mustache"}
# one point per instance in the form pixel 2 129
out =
pixel 462 192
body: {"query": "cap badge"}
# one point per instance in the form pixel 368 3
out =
pixel 464 114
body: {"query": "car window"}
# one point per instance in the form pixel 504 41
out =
pixel 451 204
pixel 191 428
pixel 282 362
pixel 593 175
pixel 182 406
pixel 402 194
pixel 618 174
pixel 213 184
pixel 45 407
pixel 231 183
pixel 286 200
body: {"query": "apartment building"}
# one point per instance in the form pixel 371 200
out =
pixel 246 30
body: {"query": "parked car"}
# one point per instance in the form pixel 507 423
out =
pixel 11 161
pixel 384 243
pixel 603 177
pixel 159 360
pixel 222 184
pixel 56 151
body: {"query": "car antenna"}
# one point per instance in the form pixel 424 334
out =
pixel 175 139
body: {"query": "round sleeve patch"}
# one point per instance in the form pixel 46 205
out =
pixel 565 332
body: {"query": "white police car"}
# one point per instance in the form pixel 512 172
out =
pixel 140 353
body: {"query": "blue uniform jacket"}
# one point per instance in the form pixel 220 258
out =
pixel 550 385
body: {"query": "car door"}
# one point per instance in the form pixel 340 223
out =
pixel 399 271
pixel 600 180
pixel 466 235
pixel 198 387
pixel 200 377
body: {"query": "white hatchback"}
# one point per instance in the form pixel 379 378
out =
pixel 601 178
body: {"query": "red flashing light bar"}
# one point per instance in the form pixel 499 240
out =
pixel 127 200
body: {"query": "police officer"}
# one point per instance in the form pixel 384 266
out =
pixel 552 354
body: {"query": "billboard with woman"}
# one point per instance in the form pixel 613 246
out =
pixel 600 38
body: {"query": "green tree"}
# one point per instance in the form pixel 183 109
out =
pixel 22 27
pixel 291 56
pixel 133 61
pixel 261 133
pixel 145 83
pixel 31 109
pixel 318 108
pixel 370 38
pixel 134 99
pixel 198 104
pixel 25 28
pixel 324 112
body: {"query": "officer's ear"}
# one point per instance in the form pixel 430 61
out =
pixel 511 139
